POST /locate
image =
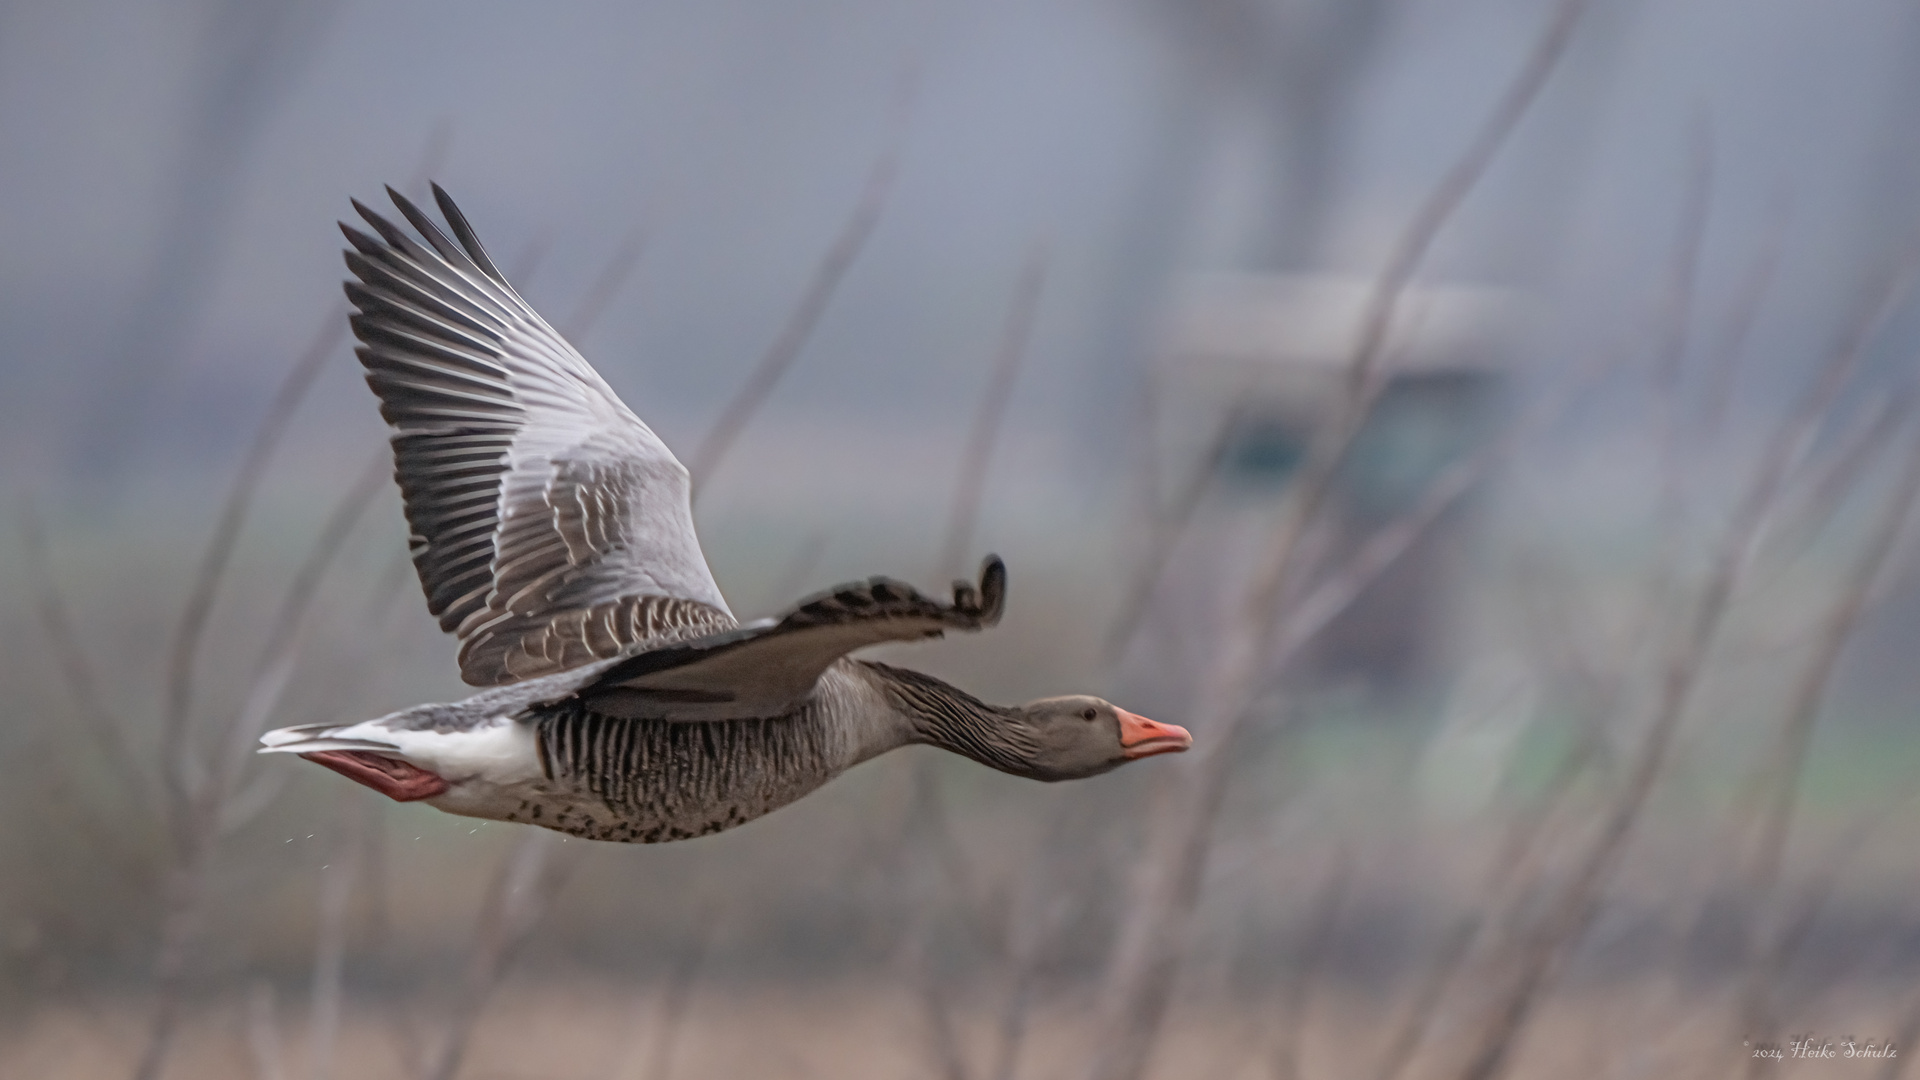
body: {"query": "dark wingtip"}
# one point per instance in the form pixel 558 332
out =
pixel 399 201
pixel 463 232
pixel 993 589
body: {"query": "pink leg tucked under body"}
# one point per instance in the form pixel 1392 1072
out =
pixel 391 777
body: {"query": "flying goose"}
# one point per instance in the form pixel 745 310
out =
pixel 554 537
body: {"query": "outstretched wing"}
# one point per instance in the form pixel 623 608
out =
pixel 551 527
pixel 766 670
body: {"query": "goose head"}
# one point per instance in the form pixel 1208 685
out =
pixel 1075 736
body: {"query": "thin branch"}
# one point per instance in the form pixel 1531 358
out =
pixel 1723 366
pixel 936 1010
pixel 76 670
pixel 1168 528
pixel 263 1033
pixel 275 665
pixel 1572 910
pixel 1338 589
pixel 528 879
pixel 793 577
pixel 1790 752
pixel 1821 491
pixel 339 877
pixel 605 287
pixel 1147 952
pixel 1520 851
pixel 786 347
pixel 1670 362
pixel 184 651
pixel 1034 915
pixel 1297 999
pixel 676 1003
pixel 993 409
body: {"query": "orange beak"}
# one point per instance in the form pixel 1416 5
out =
pixel 1141 737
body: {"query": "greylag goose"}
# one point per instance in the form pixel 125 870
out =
pixel 554 537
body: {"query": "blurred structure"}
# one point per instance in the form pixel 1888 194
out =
pixel 1260 361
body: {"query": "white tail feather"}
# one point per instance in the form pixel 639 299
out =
pixel 317 744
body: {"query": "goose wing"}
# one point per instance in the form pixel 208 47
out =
pixel 550 526
pixel 766 670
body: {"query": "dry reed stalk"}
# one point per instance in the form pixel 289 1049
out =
pixel 263 1033
pixel 1817 497
pixel 1790 751
pixel 1906 1036
pixel 965 513
pixel 793 335
pixel 341 875
pixel 1145 956
pixel 677 1002
pixel 200 807
pixel 1515 864
pixel 208 807
pixel 1662 582
pixel 1166 528
pixel 1031 921
pixel 183 654
pixel 1297 1000
pixel 184 648
pixel 76 669
pixel 793 577
pixel 937 1008
pixel 1670 360
pixel 523 886
pixel 606 285
pixel 1722 367
pixel 1543 953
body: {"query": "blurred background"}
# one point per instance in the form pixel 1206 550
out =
pixel 1488 424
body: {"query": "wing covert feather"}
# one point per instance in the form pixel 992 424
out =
pixel 765 671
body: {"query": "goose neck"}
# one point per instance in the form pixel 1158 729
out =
pixel 943 715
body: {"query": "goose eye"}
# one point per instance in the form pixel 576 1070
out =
pixel 1088 713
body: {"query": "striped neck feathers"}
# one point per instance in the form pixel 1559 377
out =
pixel 952 719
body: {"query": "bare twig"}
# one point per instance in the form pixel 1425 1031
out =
pixel 859 226
pixel 993 409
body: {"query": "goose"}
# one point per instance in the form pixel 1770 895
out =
pixel 553 535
